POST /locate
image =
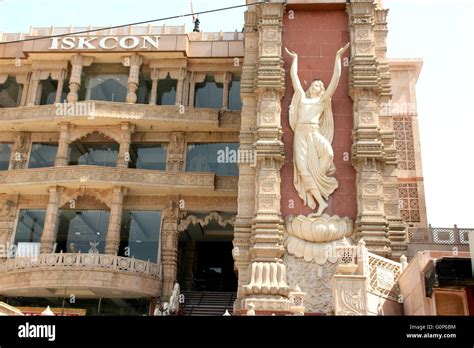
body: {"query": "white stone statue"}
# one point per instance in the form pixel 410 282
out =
pixel 312 122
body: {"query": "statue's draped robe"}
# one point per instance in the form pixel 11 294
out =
pixel 312 149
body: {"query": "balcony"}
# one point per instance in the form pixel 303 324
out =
pixel 139 181
pixel 83 275
pixel 145 117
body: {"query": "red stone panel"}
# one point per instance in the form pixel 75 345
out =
pixel 316 36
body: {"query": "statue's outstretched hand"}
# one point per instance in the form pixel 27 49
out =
pixel 343 49
pixel 291 53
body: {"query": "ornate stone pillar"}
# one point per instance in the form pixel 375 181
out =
pixel 186 88
pixel 169 247
pixel 126 130
pixel 267 288
pixel 62 76
pixel 180 86
pixel 133 78
pixel 380 37
pixel 367 148
pixel 24 80
pixel 225 79
pixel 112 241
pixel 34 86
pixel 154 85
pixel 246 188
pixel 176 152
pixel 20 150
pixel 8 210
pixel 78 61
pixel 50 230
pixel 195 78
pixel 63 144
pixel 396 225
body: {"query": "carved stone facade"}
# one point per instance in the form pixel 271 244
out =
pixel 62 186
pixel 266 287
pixel 280 246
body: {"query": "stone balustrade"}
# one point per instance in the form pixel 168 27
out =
pixel 82 261
pixel 84 275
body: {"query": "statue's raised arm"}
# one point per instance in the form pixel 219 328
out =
pixel 294 72
pixel 336 74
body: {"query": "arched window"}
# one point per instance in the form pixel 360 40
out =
pixel 234 94
pixel 108 88
pixel 48 91
pixel 82 230
pixel 94 150
pixel 166 91
pixel 10 93
pixel 209 94
pixel 106 82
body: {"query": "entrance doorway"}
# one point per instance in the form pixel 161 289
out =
pixel 214 267
pixel 205 261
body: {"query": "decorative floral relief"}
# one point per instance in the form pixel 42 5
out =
pixel 314 280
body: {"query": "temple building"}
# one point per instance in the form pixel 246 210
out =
pixel 146 170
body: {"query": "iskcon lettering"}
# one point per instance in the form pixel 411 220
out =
pixel 104 43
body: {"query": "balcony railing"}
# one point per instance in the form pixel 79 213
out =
pixel 438 235
pixel 82 261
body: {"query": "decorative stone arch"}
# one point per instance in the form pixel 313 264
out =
pixel 192 219
pixel 101 196
pixel 82 134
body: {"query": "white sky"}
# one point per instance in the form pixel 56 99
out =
pixel 440 32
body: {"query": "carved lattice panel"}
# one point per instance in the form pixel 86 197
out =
pixel 383 277
pixel 464 236
pixel 443 235
pixel 402 125
pixel 409 204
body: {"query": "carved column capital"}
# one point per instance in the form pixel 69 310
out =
pixel 78 61
pixel 134 61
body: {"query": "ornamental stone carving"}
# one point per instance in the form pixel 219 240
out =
pixel 314 280
pixel 109 176
pixel 314 238
pixel 350 295
pixel 312 122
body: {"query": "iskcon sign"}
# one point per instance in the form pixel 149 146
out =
pixel 104 43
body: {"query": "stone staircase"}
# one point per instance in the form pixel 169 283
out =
pixel 207 303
